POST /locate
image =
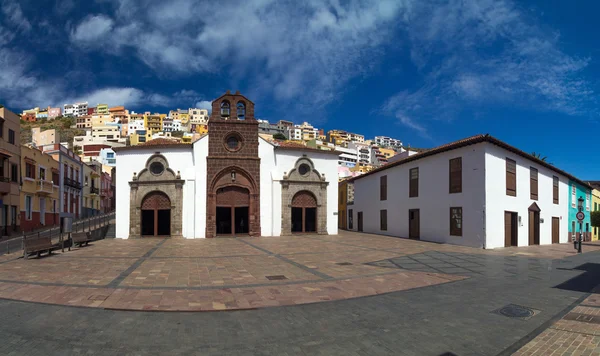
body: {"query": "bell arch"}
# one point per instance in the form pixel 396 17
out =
pixel 303 188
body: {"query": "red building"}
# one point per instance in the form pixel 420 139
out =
pixel 29 117
pixel 91 111
pixel 106 193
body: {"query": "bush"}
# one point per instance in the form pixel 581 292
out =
pixel 279 136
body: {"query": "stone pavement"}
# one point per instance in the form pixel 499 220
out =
pixel 455 318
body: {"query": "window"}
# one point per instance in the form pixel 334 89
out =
pixel 588 201
pixel 456 175
pixel 29 170
pixel 14 172
pixel 76 177
pixel 383 220
pixel 28 207
pixel 555 190
pixel 511 177
pixel 304 169
pixel 42 173
pixel 413 189
pixel 383 188
pixel 156 168
pixel 1 127
pixel 533 183
pixel 55 178
pixel 350 222
pixel 455 221
pixel 110 155
pixel 241 111
pixel 225 109
pixel 11 136
pixel 573 197
pixel 595 206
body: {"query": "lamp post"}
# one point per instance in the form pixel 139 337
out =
pixel 580 209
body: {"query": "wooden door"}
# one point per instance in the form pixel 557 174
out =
pixel 531 228
pixel 414 224
pixel 360 221
pixel 508 229
pixel 555 230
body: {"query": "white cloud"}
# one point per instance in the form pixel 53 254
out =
pixel 93 28
pixel 14 14
pixel 204 104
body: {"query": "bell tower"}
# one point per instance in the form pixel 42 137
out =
pixel 233 168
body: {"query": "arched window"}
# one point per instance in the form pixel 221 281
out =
pixel 241 111
pixel 225 108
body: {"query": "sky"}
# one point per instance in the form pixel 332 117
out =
pixel 425 72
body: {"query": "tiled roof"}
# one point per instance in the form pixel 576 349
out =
pixel 471 141
pixel 156 143
pixel 160 141
pixel 298 146
pixel 594 183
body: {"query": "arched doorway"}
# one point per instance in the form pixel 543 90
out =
pixel 156 215
pixel 304 212
pixel 232 211
pixel 534 224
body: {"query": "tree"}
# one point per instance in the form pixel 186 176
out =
pixel 279 136
pixel 595 217
pixel 539 156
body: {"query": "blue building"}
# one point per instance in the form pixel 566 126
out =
pixel 580 191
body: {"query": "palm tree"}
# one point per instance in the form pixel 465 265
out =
pixel 539 156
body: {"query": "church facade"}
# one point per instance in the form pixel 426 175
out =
pixel 230 182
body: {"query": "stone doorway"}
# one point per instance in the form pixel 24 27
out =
pixel 304 213
pixel 156 215
pixel 232 211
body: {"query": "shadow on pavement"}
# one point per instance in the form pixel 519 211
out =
pixel 585 282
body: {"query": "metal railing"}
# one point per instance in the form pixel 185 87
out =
pixel 85 224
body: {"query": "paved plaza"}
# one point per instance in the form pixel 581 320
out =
pixel 351 294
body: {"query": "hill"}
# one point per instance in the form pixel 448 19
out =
pixel 63 125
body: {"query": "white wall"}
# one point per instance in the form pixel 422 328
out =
pixel 134 161
pixel 497 202
pixel 270 200
pixel 325 164
pixel 434 200
pixel 199 205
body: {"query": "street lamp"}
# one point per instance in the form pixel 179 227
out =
pixel 580 209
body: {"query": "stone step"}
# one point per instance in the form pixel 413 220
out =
pixel 110 233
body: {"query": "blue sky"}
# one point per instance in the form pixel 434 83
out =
pixel 426 72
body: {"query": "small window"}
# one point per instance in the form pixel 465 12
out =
pixel 1 128
pixel 383 188
pixel 241 110
pixel 55 178
pixel 232 142
pixel 11 136
pixel 555 190
pixel 413 189
pixel 28 207
pixel 304 169
pixel 42 173
pixel 350 222
pixel 533 183
pixel 383 220
pixel 455 221
pixel 29 170
pixel 14 172
pixel 456 175
pixel 156 168
pixel 511 177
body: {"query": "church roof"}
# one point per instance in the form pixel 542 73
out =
pixel 298 146
pixel 156 143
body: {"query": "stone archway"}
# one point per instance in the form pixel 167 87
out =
pixel 306 187
pixel 155 215
pixel 304 212
pixel 232 204
pixel 156 188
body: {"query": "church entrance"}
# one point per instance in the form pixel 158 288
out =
pixel 232 211
pixel 156 215
pixel 304 212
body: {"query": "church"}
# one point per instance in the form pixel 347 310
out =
pixel 230 182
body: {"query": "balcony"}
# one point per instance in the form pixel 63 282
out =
pixel 43 187
pixel 72 183
pixel 104 192
pixel 94 191
pixel 4 185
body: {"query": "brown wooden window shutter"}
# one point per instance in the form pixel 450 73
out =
pixel 383 220
pixel 555 190
pixel 511 177
pixel 533 183
pixel 456 175
pixel 413 190
pixel 456 221
pixel 383 188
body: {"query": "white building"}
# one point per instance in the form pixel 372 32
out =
pixel 363 152
pixel 384 141
pixel 167 124
pixel 177 125
pixel 478 192
pixel 228 183
pixel 134 125
pixel 107 132
pixel 198 116
pixel 76 110
pixel 348 156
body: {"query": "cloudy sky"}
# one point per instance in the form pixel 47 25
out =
pixel 426 72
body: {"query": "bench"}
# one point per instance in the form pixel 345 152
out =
pixel 81 238
pixel 36 244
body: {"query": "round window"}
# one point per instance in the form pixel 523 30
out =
pixel 233 142
pixel 156 168
pixel 303 169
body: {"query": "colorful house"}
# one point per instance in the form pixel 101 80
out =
pixel 577 191
pixel 595 207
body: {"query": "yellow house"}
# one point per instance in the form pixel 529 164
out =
pixel 201 129
pixel 387 152
pixel 140 136
pixel 91 188
pixel 102 109
pixel 40 189
pixel 595 207
pixel 153 122
pixel 345 204
pixel 101 120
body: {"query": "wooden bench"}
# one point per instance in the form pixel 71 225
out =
pixel 81 238
pixel 36 244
